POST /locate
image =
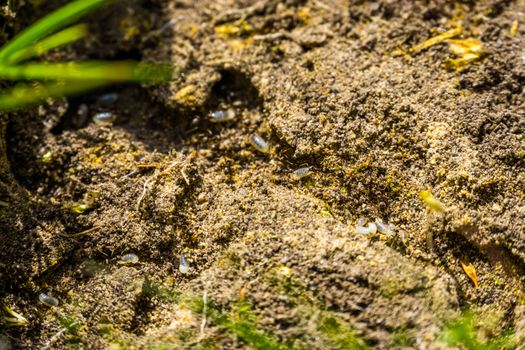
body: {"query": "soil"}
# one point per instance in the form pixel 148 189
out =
pixel 275 260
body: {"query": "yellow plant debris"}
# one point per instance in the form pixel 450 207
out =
pixel 231 30
pixel 449 34
pixel 469 50
pixel 514 28
pixel 470 271
pixel 465 46
pixel 431 201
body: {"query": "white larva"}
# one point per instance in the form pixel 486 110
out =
pixel 370 229
pixel 108 98
pixel 104 118
pixel 259 143
pixel 387 229
pixel 129 259
pixel 301 173
pixel 48 300
pixel 184 267
pixel 381 227
pixel 222 116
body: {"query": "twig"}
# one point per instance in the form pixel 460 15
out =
pixel 144 191
pixel 204 310
pixel 56 336
pixel 148 165
pixel 159 173
pixel 184 175
pixel 85 232
pixel 240 14
pixel 133 172
pixel 270 37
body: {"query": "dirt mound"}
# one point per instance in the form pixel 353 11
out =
pixel 338 87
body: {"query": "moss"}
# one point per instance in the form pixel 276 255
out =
pixel 72 327
pixel 106 329
pixel 240 320
pixel 467 332
pixel 402 338
pixel 333 331
pixel 339 332
pixel 150 289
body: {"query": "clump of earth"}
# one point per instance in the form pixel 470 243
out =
pixel 275 260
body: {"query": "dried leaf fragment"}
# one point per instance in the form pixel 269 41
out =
pixel 470 271
pixel 229 30
pixel 514 28
pixel 469 50
pixel 12 318
pixel 449 34
pixel 463 47
pixel 243 291
pixel 459 64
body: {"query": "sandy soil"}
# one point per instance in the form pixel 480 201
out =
pixel 275 260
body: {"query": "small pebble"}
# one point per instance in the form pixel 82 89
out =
pixel 183 265
pixel 104 118
pixel 108 98
pixel 48 300
pixel 259 144
pixel 129 259
pixel 222 116
pixel 301 172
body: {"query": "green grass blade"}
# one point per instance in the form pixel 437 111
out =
pixel 26 95
pixel 62 38
pixel 75 78
pixel 50 24
pixel 89 70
